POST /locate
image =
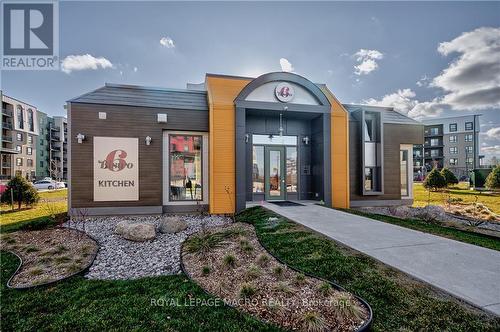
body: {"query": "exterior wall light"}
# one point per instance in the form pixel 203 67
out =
pixel 305 139
pixel 80 138
pixel 247 137
pixel 148 140
pixel 162 118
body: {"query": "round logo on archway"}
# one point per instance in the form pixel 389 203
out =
pixel 284 92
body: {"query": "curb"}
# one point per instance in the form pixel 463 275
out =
pixel 366 325
pixel 83 271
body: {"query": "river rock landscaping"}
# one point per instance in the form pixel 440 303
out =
pixel 48 255
pixel 230 263
pixel 119 258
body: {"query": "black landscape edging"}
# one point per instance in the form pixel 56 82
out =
pixel 57 280
pixel 365 327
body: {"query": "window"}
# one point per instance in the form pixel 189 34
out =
pixel 453 150
pixel 453 139
pixel 29 151
pixel 417 153
pixel 417 164
pixel 185 168
pixel 19 136
pixel 20 117
pixel 41 163
pixel 469 161
pixel 435 131
pixel 453 127
pixel 453 161
pixel 468 138
pixel 469 149
pixel 30 139
pixel 434 142
pixel 369 179
pixel 258 169
pixel 19 161
pixel 41 141
pixel 29 162
pixel 469 125
pixel 404 172
pixel 41 153
pixel 19 148
pixel 435 153
pixel 369 130
pixel 31 124
pixel 291 169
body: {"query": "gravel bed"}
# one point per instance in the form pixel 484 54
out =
pixel 118 258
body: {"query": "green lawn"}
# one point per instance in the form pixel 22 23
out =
pixel 51 202
pixel 78 304
pixel 421 196
pixel 436 229
pixel 399 303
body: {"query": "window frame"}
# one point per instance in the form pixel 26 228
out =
pixel 454 140
pixel 19 161
pixel 453 150
pixel 471 125
pixel 469 138
pixel 29 151
pixel 453 125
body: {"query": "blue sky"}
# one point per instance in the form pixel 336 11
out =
pixel 395 45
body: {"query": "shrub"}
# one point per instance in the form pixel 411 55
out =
pixel 278 271
pixel 478 179
pixel 22 192
pixel 325 288
pixel 449 177
pixel 348 308
pixel 205 270
pixel 202 243
pixel 229 260
pixel 253 272
pixel 493 179
pixel 284 288
pixel 247 290
pixel 313 322
pixel 434 180
pixel 300 279
pixel 263 260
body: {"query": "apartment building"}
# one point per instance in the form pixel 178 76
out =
pixel 449 142
pixel 18 139
pixel 52 147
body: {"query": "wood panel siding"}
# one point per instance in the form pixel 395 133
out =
pixel 339 151
pixel 124 121
pixel 394 136
pixel 222 91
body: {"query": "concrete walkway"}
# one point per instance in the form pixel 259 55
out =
pixel 466 271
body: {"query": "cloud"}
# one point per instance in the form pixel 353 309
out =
pixel 423 81
pixel 367 61
pixel 286 65
pixel 472 81
pixel 135 69
pixel 403 101
pixel 167 42
pixel 84 62
pixel 493 133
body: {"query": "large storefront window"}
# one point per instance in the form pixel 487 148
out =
pixel 291 169
pixel 185 177
pixel 258 169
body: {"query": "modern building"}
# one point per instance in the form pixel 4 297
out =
pixel 18 139
pixel 450 142
pixel 233 140
pixel 52 147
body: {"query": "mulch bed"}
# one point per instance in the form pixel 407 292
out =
pixel 48 255
pixel 255 282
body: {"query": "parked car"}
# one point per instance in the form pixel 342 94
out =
pixel 60 184
pixel 46 184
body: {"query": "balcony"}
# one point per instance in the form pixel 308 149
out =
pixel 429 133
pixel 55 138
pixel 7 139
pixel 6 112
pixel 6 125
pixel 55 128
pixel 6 165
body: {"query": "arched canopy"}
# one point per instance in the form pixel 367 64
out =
pixel 260 93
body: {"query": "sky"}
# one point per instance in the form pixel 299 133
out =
pixel 426 59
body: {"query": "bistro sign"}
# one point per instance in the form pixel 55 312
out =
pixel 284 92
pixel 116 169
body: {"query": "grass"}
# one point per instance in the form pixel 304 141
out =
pixel 467 196
pixel 399 302
pixel 159 303
pixel 477 239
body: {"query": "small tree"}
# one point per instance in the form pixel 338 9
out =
pixel 434 180
pixel 449 177
pixel 493 179
pixel 22 192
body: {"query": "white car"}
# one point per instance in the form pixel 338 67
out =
pixel 46 184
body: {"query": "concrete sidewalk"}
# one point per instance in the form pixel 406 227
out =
pixel 466 271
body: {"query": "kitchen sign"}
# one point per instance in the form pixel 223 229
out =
pixel 116 169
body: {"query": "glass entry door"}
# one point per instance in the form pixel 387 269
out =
pixel 274 173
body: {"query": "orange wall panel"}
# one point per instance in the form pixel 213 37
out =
pixel 222 91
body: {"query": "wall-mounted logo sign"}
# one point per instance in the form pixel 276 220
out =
pixel 284 92
pixel 116 169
